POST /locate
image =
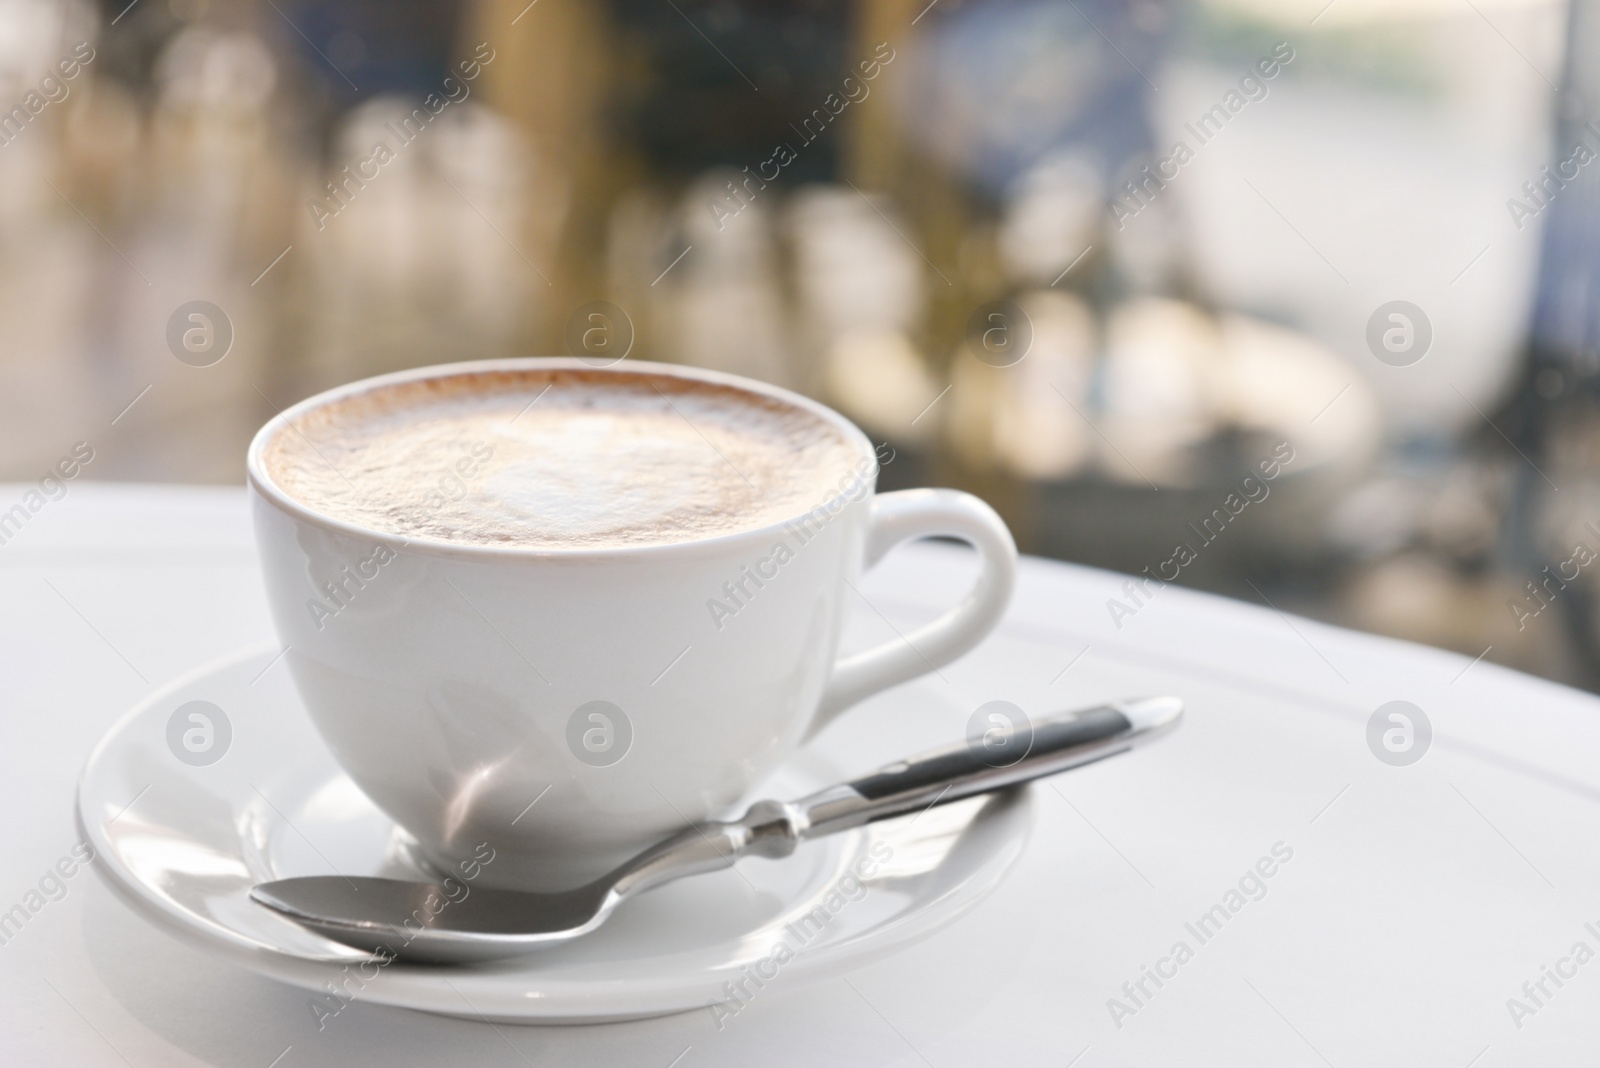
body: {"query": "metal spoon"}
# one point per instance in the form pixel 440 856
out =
pixel 389 916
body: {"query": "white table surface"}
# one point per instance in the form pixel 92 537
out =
pixel 1419 900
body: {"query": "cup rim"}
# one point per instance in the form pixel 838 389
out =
pixel 261 482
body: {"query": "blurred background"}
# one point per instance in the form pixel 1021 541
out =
pixel 1292 301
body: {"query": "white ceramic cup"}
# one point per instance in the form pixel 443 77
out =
pixel 572 706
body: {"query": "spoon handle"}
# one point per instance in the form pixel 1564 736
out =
pixel 1005 755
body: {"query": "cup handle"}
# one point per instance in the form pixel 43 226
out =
pixel 927 513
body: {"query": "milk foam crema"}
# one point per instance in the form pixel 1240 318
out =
pixel 561 459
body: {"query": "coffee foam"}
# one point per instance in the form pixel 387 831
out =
pixel 561 459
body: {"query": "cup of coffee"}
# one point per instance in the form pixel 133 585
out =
pixel 567 610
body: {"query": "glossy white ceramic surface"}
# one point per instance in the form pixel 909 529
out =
pixel 457 683
pixel 278 805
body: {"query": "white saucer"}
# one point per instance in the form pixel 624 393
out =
pixel 184 844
